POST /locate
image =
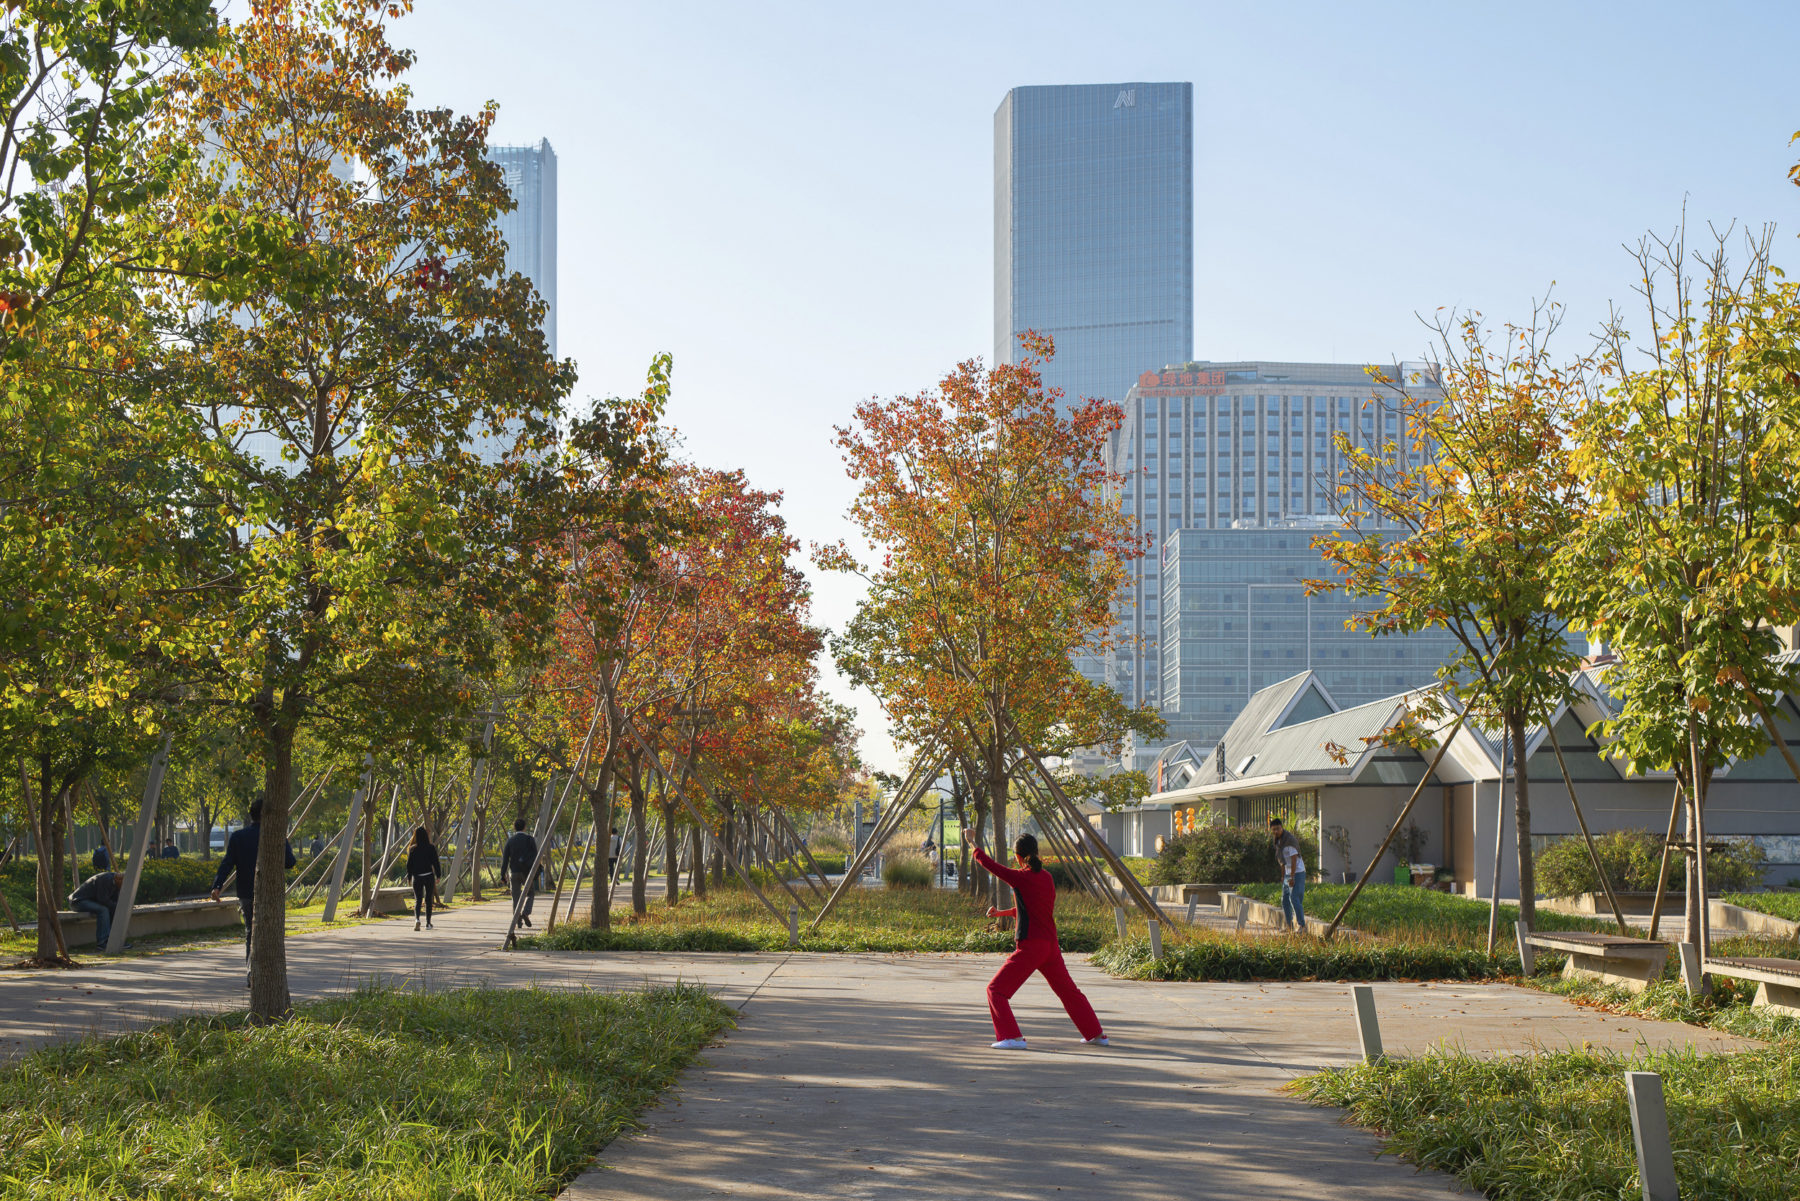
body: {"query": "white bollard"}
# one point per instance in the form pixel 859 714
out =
pixel 1691 975
pixel 793 927
pixel 1119 920
pixel 1367 1028
pixel 1650 1135
pixel 1155 940
pixel 1527 957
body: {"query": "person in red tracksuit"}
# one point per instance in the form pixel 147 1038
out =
pixel 1037 950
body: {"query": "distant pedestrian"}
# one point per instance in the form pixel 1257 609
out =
pixel 240 857
pixel 102 859
pixel 1293 875
pixel 613 844
pixel 516 860
pixel 170 850
pixel 423 868
pixel 99 896
pixel 318 846
pixel 1037 949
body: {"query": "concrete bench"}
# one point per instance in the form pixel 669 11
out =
pixel 163 917
pixel 1632 962
pixel 1777 980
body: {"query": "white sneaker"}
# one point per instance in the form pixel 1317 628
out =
pixel 1010 1044
pixel 1097 1042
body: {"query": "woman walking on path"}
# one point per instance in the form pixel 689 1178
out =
pixel 423 868
pixel 1037 950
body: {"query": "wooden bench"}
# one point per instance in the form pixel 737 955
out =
pixel 1633 962
pixel 1777 980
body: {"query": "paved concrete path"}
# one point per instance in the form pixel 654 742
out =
pixel 869 1076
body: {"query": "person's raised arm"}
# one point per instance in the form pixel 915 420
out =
pixel 1011 875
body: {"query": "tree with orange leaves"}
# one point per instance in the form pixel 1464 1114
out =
pixel 998 559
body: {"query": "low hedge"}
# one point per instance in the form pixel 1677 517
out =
pixel 1632 859
pixel 1302 958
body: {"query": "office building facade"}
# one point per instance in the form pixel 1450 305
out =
pixel 530 229
pixel 1231 469
pixel 1094 230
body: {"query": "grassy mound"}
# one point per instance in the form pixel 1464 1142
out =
pixel 1301 957
pixel 865 920
pixel 1419 914
pixel 484 1093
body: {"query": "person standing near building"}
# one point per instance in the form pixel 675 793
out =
pixel 516 860
pixel 423 868
pixel 1293 874
pixel 240 857
pixel 1037 949
pixel 99 897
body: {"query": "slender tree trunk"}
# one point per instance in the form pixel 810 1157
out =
pixel 600 804
pixel 640 843
pixel 50 942
pixel 671 854
pixel 699 863
pixel 1522 823
pixel 269 997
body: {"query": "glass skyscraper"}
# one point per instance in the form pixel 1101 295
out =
pixel 1232 469
pixel 530 229
pixel 1094 230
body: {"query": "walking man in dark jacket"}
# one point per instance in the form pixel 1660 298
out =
pixel 99 896
pixel 516 859
pixel 240 856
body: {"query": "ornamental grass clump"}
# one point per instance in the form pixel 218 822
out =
pixel 907 871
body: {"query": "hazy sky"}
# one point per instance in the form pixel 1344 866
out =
pixel 796 200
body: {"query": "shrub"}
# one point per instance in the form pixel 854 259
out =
pixel 1225 855
pixel 1633 857
pixel 907 871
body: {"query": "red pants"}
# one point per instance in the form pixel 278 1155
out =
pixel 1037 955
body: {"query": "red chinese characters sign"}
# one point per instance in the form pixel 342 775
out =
pixel 1181 383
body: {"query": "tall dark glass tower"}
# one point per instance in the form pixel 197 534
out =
pixel 530 229
pixel 1094 229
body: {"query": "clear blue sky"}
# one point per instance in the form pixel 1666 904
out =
pixel 796 200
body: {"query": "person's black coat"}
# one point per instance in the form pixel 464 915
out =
pixel 240 854
pixel 518 855
pixel 102 887
pixel 423 861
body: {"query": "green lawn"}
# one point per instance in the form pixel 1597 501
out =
pixel 1421 915
pixel 481 1093
pixel 865 920
pixel 1556 1126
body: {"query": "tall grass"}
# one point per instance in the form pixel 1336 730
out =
pixel 1556 1126
pixel 476 1094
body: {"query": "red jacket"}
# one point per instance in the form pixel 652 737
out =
pixel 1036 891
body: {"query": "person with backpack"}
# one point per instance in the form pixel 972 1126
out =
pixel 516 860
pixel 423 867
pixel 240 857
pixel 1036 950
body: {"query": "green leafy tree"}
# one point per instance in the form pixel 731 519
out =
pixel 1457 527
pixel 1689 551
pixel 378 401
